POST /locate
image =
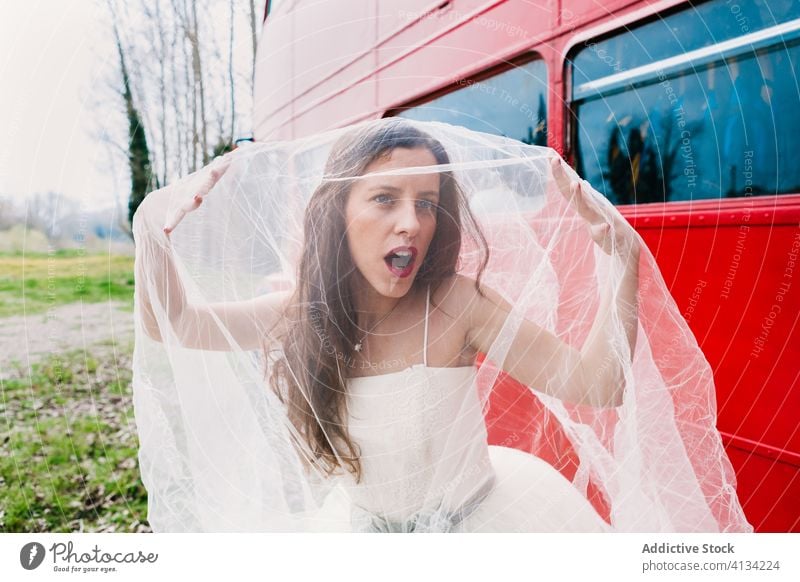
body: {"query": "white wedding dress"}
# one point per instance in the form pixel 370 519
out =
pixel 427 466
pixel 230 430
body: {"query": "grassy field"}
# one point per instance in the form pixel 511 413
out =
pixel 31 283
pixel 69 447
pixel 68 443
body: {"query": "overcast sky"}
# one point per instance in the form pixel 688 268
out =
pixel 52 56
pixel 56 60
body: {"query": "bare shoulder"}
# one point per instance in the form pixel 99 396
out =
pixel 458 296
pixel 463 293
pixel 452 295
pixel 482 310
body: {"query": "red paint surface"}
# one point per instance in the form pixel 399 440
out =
pixel 334 64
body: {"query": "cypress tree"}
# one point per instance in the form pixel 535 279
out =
pixel 142 177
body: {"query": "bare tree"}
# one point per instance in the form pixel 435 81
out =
pixel 231 80
pixel 197 69
pixel 9 214
pixel 254 37
pixel 120 213
pixel 192 97
pixel 162 91
pixel 188 20
pixel 43 213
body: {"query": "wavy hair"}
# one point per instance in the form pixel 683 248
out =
pixel 320 330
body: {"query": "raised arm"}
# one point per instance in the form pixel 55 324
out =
pixel 592 375
pixel 220 326
pixel 535 357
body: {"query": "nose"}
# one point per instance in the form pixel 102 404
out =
pixel 407 220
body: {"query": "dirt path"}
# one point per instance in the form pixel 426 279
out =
pixel 76 326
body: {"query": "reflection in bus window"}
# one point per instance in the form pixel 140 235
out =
pixel 512 104
pixel 696 27
pixel 705 129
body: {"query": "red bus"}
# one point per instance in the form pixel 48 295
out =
pixel 684 114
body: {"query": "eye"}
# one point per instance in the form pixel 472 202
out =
pixel 426 205
pixel 383 199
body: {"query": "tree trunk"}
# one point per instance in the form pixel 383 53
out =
pixel 162 92
pixel 231 80
pixel 197 67
pixel 138 152
pixel 255 42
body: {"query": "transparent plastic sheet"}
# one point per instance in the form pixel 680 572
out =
pixel 249 312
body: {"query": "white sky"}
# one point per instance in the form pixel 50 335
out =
pixel 51 56
pixel 56 59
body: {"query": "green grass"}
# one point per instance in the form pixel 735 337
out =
pixel 33 283
pixel 69 447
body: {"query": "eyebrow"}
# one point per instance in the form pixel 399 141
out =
pixel 432 193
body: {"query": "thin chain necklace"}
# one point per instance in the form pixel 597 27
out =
pixel 360 344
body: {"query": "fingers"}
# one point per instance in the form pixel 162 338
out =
pixel 576 192
pixel 578 195
pixel 608 233
pixel 562 179
pixel 218 167
pixel 604 236
pixel 181 213
pixel 586 207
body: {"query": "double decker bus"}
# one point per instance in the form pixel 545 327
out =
pixel 686 115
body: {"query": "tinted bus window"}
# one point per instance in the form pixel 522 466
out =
pixel 512 104
pixel 719 121
pixel 695 27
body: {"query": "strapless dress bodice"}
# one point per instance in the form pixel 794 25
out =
pixel 422 441
pixel 426 465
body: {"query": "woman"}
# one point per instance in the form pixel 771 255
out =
pixel 371 357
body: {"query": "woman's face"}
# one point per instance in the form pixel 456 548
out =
pixel 391 220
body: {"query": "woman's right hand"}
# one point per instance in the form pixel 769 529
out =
pixel 218 167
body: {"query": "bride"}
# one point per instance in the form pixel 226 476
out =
pixel 369 409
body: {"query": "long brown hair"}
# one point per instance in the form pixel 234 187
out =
pixel 320 330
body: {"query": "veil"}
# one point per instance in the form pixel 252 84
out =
pixel 246 330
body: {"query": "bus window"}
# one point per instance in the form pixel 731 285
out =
pixel 690 29
pixel 708 121
pixel 512 104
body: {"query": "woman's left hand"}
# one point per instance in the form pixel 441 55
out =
pixel 611 235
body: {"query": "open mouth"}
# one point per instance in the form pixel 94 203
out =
pixel 400 261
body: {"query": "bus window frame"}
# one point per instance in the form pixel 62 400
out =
pixel 642 17
pixel 499 68
pixel 657 10
pixel 603 31
pixel 671 67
